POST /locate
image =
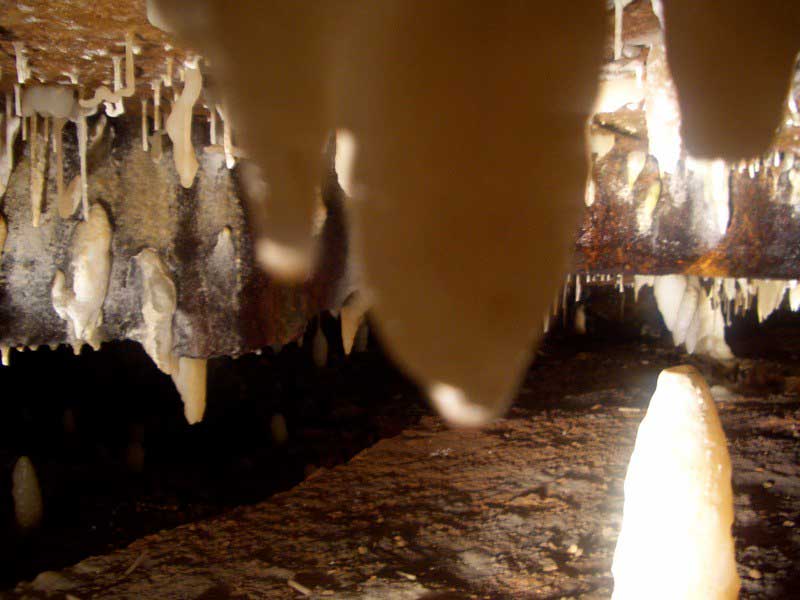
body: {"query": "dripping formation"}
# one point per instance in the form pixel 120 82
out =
pixel 418 298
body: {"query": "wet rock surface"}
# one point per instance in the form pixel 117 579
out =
pixel 529 507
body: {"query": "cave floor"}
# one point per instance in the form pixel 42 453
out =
pixel 527 508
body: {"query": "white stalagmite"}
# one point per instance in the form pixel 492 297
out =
pixel 38 157
pixel 190 380
pixel 280 433
pixel 28 507
pixel 344 161
pixel 179 126
pixel 5 355
pixel 159 303
pixel 676 537
pixel 90 267
pixel 352 315
pixel 579 323
pixel 319 348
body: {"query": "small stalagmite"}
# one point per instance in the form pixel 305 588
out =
pixel 27 495
pixel 676 540
pixel 353 313
pixel 190 380
pixel 319 348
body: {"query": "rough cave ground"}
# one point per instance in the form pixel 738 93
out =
pixel 527 508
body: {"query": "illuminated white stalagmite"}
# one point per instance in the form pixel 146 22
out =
pixel 179 126
pixel 28 507
pixel 280 433
pixel 190 381
pixel 579 324
pixel 352 315
pixel 464 239
pixel 5 355
pixel 81 304
pixel 159 302
pixel 344 163
pixel 676 540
